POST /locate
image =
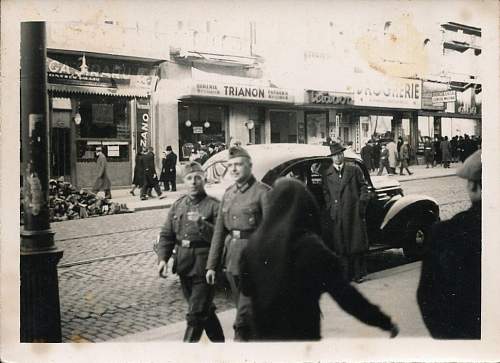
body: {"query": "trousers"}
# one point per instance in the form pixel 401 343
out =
pixel 243 322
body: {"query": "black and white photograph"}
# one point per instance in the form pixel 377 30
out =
pixel 289 181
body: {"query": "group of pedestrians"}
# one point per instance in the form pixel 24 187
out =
pixel 145 176
pixel 442 151
pixel 387 155
pixel 274 250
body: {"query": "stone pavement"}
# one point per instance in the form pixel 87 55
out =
pixel 394 290
pixel 134 203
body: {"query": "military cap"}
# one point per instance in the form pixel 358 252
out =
pixel 336 148
pixel 236 151
pixel 471 168
pixel 191 167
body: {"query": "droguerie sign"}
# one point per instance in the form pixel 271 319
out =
pixel 242 92
pixel 403 94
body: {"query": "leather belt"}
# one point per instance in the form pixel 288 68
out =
pixel 241 234
pixel 193 244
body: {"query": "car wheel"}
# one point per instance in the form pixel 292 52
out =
pixel 416 240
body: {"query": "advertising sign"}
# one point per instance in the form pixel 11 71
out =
pixel 143 123
pixel 443 96
pixel 393 93
pixel 197 130
pixel 329 98
pixel 242 92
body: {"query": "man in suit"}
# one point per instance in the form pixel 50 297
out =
pixel 102 181
pixel 150 176
pixel 170 172
pixel 346 197
pixel 243 207
pixel 449 293
pixel 189 229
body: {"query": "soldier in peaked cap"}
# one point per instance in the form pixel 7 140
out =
pixel 243 207
pixel 449 293
pixel 346 196
pixel 188 229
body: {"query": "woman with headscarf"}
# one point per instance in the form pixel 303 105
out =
pixel 286 267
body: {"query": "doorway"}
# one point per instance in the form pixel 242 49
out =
pixel 60 154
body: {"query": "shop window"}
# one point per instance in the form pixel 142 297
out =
pixel 316 127
pixel 114 151
pixel 199 126
pixel 283 127
pixel 103 118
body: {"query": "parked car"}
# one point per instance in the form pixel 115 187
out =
pixel 393 219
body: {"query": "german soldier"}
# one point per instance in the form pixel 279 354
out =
pixel 242 209
pixel 188 229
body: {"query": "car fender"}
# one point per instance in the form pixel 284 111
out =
pixel 409 202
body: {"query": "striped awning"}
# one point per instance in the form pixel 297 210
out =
pixel 104 91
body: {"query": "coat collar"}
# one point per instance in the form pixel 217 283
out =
pixel 243 188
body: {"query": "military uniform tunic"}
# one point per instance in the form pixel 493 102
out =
pixel 191 242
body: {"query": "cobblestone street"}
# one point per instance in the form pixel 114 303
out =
pixel 108 281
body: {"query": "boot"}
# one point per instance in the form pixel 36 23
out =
pixel 213 329
pixel 192 334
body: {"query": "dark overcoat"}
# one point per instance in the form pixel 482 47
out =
pixel 168 167
pixel 367 156
pixel 449 293
pixel 296 316
pixel 102 181
pixel 149 169
pixel 445 150
pixel 138 170
pixel 346 197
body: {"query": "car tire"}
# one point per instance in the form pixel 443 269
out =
pixel 416 239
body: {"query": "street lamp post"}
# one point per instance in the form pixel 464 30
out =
pixel 40 310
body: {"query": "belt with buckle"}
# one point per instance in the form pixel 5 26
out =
pixel 193 244
pixel 241 234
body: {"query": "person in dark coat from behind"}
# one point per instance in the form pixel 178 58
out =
pixel 138 178
pixel 449 292
pixel 102 181
pixel 170 171
pixel 286 267
pixel 150 176
pixel 367 156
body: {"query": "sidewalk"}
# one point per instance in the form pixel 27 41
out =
pixel 168 198
pixel 394 290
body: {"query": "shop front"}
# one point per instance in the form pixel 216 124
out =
pixel 96 101
pixel 216 113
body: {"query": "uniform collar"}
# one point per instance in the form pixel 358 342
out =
pixel 198 198
pixel 243 188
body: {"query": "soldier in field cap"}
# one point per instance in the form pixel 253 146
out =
pixel 188 229
pixel 242 209
pixel 449 293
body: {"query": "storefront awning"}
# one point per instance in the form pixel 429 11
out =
pixel 104 91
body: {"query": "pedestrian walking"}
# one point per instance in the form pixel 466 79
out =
pixel 150 176
pixel 138 177
pixel 384 161
pixel 286 267
pixel 437 150
pixel 393 156
pixel 404 158
pixel 346 197
pixel 188 230
pixel 243 207
pixel 428 152
pixel 445 152
pixel 367 156
pixel 454 149
pixel 449 292
pixel 168 172
pixel 102 181
pixel 377 148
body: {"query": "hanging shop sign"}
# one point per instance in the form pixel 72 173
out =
pixel 143 123
pixel 398 93
pixel 84 71
pixel 197 130
pixel 429 92
pixel 241 92
pixel 329 98
pixel 443 96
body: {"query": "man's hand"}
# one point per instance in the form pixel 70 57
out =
pixel 210 277
pixel 162 269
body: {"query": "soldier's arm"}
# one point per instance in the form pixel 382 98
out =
pixel 217 244
pixel 166 243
